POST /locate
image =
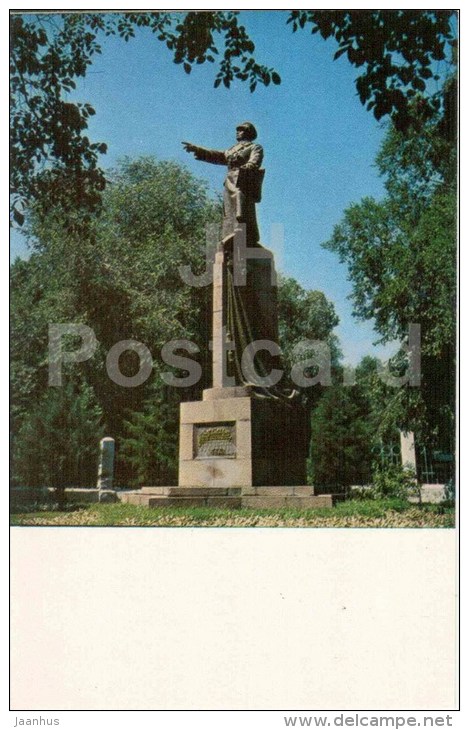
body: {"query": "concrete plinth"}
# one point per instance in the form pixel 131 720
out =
pixel 241 442
pixel 240 436
pixel 215 443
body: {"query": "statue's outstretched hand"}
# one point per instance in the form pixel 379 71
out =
pixel 189 147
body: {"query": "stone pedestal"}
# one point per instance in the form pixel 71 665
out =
pixel 215 443
pixel 244 312
pixel 240 442
pixel 235 437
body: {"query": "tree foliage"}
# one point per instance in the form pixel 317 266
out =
pixel 401 257
pixel 121 280
pixel 52 158
pixel 398 50
pixel 349 425
pixel 341 441
pixel 305 315
pixel 57 443
pixel 149 440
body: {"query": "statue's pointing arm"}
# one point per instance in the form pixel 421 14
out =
pixel 216 157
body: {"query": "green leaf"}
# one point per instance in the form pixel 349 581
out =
pixel 340 52
pixel 18 217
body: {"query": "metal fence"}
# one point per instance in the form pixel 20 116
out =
pixel 434 466
pixel 388 454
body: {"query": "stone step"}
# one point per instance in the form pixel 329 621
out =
pixel 304 491
pixel 295 502
pixel 292 491
pixel 132 497
pixel 192 491
pixel 162 500
pixel 232 498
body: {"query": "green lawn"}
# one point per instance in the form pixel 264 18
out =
pixel 363 513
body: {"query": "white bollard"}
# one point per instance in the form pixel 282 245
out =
pixel 408 455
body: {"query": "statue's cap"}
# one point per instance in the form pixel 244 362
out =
pixel 249 127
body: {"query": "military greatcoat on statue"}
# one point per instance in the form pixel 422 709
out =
pixel 243 181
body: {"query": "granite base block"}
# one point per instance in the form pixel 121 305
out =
pixel 229 498
pixel 263 441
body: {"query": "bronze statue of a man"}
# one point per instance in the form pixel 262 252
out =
pixel 243 181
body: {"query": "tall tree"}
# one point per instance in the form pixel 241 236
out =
pixel 401 256
pixel 122 280
pixel 350 426
pixel 341 440
pixel 57 442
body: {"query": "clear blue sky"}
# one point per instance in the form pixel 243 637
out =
pixel 319 142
